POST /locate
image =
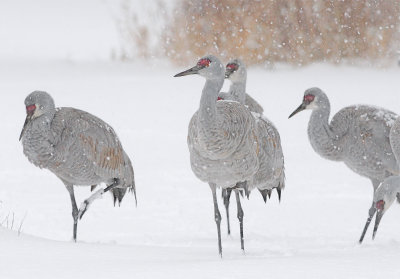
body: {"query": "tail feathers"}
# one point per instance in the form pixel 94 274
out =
pixel 130 177
pixel 247 191
pixel 279 191
pixel 133 190
pixel 264 194
pixel 281 185
pixel 118 195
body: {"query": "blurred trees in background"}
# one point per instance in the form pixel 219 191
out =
pixel 289 31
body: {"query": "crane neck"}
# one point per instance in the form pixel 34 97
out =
pixel 238 91
pixel 322 138
pixel 207 111
pixel 38 140
pixel 45 120
pixel 394 138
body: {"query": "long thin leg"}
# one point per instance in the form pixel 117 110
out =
pixel 217 216
pixel 98 194
pixel 75 212
pixel 240 215
pixel 226 194
pixel 371 212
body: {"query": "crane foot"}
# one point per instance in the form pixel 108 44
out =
pixel 86 203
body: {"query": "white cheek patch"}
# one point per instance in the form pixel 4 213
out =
pixel 313 104
pixel 234 76
pixel 38 112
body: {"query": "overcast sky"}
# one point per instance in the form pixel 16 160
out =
pixel 57 29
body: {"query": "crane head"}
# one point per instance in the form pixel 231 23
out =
pixel 235 71
pixel 384 196
pixel 310 100
pixel 208 66
pixel 37 103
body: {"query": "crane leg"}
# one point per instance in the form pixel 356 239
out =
pixel 240 215
pixel 226 194
pixel 217 216
pixel 371 212
pixel 98 194
pixel 75 211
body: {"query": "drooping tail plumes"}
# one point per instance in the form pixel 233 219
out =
pixel 129 180
pixel 118 195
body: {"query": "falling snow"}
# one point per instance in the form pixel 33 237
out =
pixel 312 233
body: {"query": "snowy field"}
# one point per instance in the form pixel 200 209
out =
pixel 312 233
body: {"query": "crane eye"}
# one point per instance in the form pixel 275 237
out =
pixel 204 62
pixel 309 98
pixel 380 205
pixel 232 66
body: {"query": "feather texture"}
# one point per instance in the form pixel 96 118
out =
pixel 356 135
pixel 78 147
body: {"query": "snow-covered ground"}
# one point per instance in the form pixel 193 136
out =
pixel 312 233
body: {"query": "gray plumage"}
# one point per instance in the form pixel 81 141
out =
pixel 389 189
pixel 271 172
pixel 236 72
pixel 77 147
pixel 222 138
pixel 356 135
pixel 222 135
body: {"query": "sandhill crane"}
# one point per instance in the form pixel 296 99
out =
pixel 236 72
pixel 389 189
pixel 357 135
pixel 222 139
pixel 271 173
pixel 79 148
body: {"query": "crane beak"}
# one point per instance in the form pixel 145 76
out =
pixel 367 225
pixel 27 119
pixel 378 218
pixel 300 108
pixel 192 71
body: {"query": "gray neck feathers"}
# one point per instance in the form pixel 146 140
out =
pixel 43 122
pixel 322 138
pixel 207 110
pixel 394 138
pixel 238 90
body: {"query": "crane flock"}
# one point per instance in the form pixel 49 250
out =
pixel 232 145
